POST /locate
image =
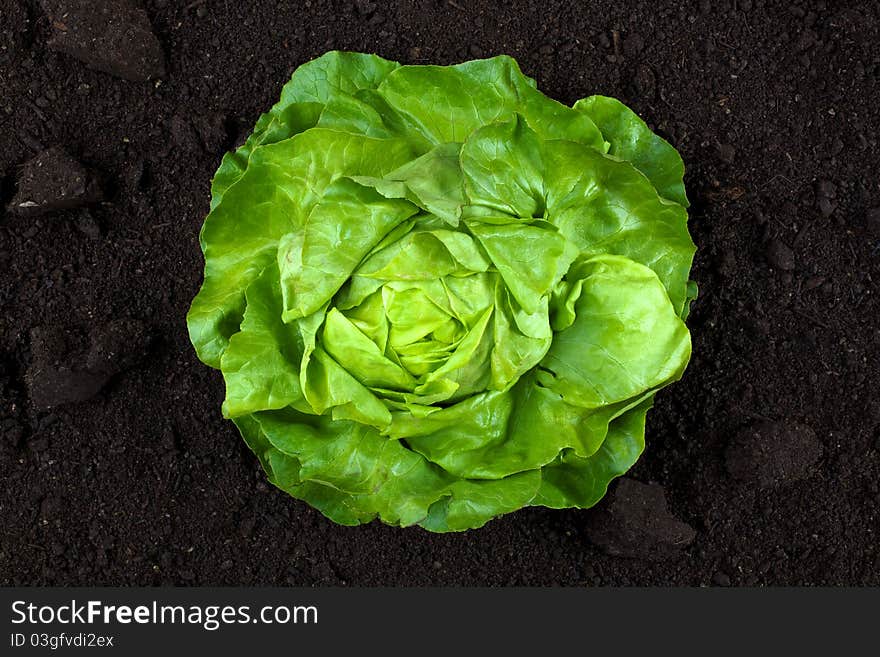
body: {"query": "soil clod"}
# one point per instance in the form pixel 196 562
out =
pixel 635 521
pixel 779 255
pixel 54 181
pixel 70 364
pixel 113 36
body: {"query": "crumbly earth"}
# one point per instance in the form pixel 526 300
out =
pixel 774 107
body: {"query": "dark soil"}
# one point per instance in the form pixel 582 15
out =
pixel 763 463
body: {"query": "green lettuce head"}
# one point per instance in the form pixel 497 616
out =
pixel 437 296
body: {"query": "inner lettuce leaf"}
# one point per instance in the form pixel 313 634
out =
pixel 437 296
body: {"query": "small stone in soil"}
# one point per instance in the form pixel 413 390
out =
pixel 113 36
pixel 212 131
pixel 779 255
pixel 87 225
pixel 721 578
pixel 771 453
pixel 246 526
pixel 634 521
pixel 183 133
pixel 826 189
pixel 54 181
pixel 827 206
pixel 813 282
pixel 727 153
pixel 646 81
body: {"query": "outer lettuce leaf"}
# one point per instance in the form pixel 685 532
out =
pixel 261 364
pixel 437 296
pixel 280 123
pixel 369 475
pixel 333 76
pixel 626 216
pixel 447 103
pixel 582 481
pixel 626 337
pixel 633 141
